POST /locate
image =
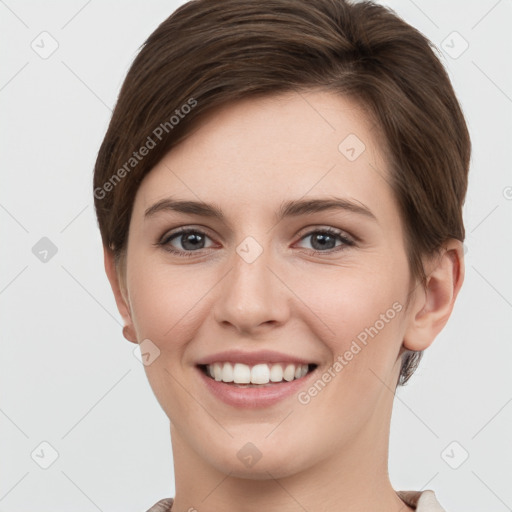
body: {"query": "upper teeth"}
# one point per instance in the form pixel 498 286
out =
pixel 258 374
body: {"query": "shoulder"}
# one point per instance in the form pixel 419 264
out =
pixel 425 501
pixel 162 505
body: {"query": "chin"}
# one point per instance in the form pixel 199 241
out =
pixel 258 460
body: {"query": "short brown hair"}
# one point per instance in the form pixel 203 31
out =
pixel 212 52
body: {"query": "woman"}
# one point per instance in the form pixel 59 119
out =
pixel 279 195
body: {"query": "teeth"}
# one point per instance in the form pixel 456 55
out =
pixel 258 374
pixel 217 371
pixel 241 374
pixel 289 372
pixel 276 373
pixel 228 374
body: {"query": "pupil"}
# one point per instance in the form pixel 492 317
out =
pixel 190 237
pixel 322 238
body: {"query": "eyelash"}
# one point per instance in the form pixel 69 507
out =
pixel 164 242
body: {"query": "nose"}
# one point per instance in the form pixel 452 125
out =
pixel 252 296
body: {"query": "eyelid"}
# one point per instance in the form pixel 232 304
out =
pixel 168 233
pixel 319 227
pixel 301 233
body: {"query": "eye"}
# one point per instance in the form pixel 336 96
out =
pixel 324 240
pixel 187 240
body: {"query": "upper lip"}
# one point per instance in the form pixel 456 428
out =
pixel 252 358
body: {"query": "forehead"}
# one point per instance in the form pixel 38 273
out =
pixel 258 152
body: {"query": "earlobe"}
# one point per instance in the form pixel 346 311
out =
pixel 434 305
pixel 120 294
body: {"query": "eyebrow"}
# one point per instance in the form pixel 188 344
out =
pixel 293 208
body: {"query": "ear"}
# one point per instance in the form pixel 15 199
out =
pixel 433 306
pixel 120 293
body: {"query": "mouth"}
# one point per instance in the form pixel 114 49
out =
pixel 261 375
pixel 254 380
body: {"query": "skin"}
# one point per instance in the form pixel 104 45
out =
pixel 247 158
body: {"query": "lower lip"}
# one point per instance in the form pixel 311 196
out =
pixel 254 397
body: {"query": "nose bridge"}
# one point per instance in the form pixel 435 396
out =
pixel 251 294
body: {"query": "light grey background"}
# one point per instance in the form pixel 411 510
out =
pixel 69 378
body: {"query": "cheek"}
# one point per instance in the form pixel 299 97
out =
pixel 163 299
pixel 164 310
pixel 362 322
pixel 353 303
pixel 364 315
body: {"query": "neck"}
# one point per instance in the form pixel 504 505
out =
pixel 353 477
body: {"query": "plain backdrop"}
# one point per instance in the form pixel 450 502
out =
pixel 75 398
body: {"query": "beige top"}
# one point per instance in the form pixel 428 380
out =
pixel 425 501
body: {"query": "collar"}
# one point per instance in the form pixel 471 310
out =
pixel 425 501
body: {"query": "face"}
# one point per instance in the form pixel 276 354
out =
pixel 294 255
